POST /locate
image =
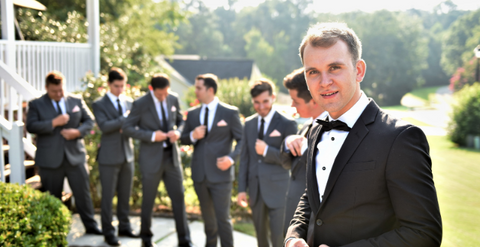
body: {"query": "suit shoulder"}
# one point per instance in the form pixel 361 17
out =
pixel 251 118
pixel 173 94
pixel 74 96
pixel 228 107
pixel 194 108
pixel 97 100
pixel 286 117
pixel 392 123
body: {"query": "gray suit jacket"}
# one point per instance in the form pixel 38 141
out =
pixel 218 143
pixel 143 121
pixel 51 146
pixel 116 147
pixel 265 173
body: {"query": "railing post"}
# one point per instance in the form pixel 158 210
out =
pixel 93 17
pixel 2 160
pixel 8 34
pixel 16 154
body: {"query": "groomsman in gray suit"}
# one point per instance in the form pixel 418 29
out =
pixel 115 156
pixel 60 121
pixel 261 170
pixel 294 147
pixel 155 120
pixel 212 127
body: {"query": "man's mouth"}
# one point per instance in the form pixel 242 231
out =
pixel 329 94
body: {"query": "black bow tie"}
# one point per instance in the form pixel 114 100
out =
pixel 335 125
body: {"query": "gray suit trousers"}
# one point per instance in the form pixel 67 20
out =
pixel 262 215
pixel 215 200
pixel 116 178
pixel 52 181
pixel 173 178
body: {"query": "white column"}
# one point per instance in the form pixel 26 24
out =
pixel 93 18
pixel 16 154
pixel 8 34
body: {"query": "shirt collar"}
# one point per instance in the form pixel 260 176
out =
pixel 61 101
pixel 155 98
pixel 112 97
pixel 351 116
pixel 268 117
pixel 212 105
pixel 323 115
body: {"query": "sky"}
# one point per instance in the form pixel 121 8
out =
pixel 339 6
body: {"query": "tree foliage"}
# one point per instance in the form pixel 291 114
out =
pixel 465 114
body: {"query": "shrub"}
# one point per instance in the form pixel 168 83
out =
pixel 32 218
pixel 465 114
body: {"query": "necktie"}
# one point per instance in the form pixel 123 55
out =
pixel 164 119
pixel 120 110
pixel 336 125
pixel 59 110
pixel 262 129
pixel 205 121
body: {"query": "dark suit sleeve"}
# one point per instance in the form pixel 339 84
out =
pixel 180 122
pixel 299 225
pixel 412 193
pixel 106 125
pixel 34 124
pixel 87 120
pixel 237 132
pixel 130 126
pixel 243 169
pixel 273 155
pixel 287 156
pixel 187 128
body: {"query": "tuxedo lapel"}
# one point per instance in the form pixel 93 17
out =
pixel 273 124
pixel 153 110
pixel 170 112
pixel 69 104
pixel 49 103
pixel 109 106
pixel 216 119
pixel 354 138
pixel 311 167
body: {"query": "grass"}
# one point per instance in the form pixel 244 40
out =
pixel 456 174
pixel 244 227
pixel 396 108
pixel 420 98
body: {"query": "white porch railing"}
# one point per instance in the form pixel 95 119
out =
pixel 13 132
pixel 34 59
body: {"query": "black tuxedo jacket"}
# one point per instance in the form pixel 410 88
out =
pixel 380 191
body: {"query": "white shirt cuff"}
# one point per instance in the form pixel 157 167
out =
pixel 191 137
pixel 231 160
pixel 265 151
pixel 153 136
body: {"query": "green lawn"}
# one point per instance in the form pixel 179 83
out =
pixel 420 98
pixel 456 174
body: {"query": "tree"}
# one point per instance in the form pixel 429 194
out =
pixel 461 38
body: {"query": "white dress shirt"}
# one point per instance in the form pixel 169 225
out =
pixel 267 119
pixel 159 112
pixel 332 141
pixel 62 105
pixel 114 98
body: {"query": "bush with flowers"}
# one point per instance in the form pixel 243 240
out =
pixel 464 75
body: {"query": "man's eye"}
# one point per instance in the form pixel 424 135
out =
pixel 334 68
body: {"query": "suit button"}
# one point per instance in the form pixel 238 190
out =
pixel 259 161
pixel 293 177
pixel 319 222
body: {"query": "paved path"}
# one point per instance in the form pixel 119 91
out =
pixel 163 229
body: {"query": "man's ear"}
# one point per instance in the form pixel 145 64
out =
pixel 361 68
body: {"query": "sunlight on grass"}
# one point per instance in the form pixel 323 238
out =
pixel 244 227
pixel 415 121
pixel 420 98
pixel 456 174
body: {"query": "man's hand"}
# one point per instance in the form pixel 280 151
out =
pixel 127 112
pixel 199 132
pixel 297 242
pixel 70 134
pixel 173 135
pixel 294 144
pixel 242 199
pixel 260 147
pixel 60 120
pixel 160 136
pixel 223 163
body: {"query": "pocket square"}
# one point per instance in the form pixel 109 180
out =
pixel 275 133
pixel 76 108
pixel 222 123
pixel 174 109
